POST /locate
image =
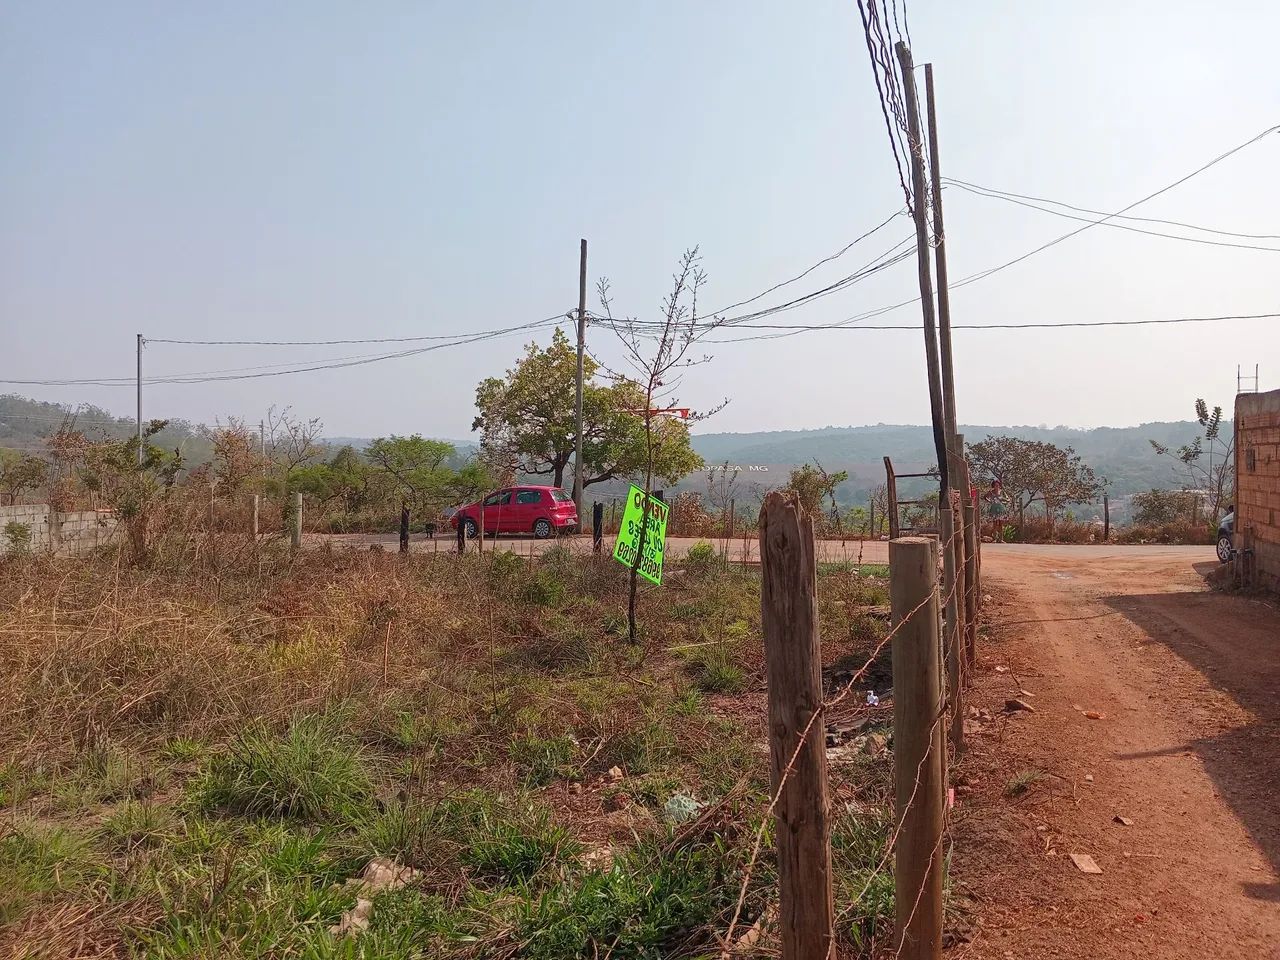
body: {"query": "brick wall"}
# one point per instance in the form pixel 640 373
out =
pixel 65 534
pixel 1258 481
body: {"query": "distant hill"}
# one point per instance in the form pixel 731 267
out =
pixel 1123 455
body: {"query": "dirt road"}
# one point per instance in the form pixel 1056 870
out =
pixel 1187 747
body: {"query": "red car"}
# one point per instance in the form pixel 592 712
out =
pixel 542 511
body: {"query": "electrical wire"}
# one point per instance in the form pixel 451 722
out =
pixel 332 343
pixel 335 364
pixel 1008 326
pixel 1117 216
pixel 983 274
pixel 994 195
pixel 823 262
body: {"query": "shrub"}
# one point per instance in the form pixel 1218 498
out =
pixel 312 772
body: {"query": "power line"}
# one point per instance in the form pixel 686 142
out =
pixel 332 343
pixel 983 274
pixel 996 195
pixel 1103 213
pixel 1151 196
pixel 335 364
pixel 1005 326
pixel 823 262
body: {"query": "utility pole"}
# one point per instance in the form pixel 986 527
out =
pixel 953 551
pixel 139 400
pixel 942 444
pixel 582 339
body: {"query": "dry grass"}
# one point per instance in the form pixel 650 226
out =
pixel 194 756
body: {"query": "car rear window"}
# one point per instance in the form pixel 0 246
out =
pixel 529 496
pixel 560 496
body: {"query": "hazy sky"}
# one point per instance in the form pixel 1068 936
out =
pixel 323 170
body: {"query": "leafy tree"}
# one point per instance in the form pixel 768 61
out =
pixel 813 485
pixel 1159 507
pixel 19 472
pixel 1031 470
pixel 529 421
pixel 419 471
pixel 1208 462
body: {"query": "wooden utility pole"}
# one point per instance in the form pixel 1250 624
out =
pixel 919 757
pixel 942 432
pixel 582 342
pixel 970 584
pixel 797 737
pixel 919 193
pixel 140 400
pixel 953 562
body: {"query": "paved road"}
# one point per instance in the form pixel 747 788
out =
pixel 859 551
pixel 1184 687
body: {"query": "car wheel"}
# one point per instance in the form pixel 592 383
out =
pixel 542 529
pixel 472 529
pixel 1224 548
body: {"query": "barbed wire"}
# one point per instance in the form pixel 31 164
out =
pixel 826 704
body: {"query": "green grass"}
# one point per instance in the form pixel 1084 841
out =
pixel 311 772
pixel 655 902
pixel 37 862
pixel 863 876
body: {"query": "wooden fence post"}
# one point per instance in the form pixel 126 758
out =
pixel 462 536
pixel 255 516
pixel 891 500
pixel 597 527
pixel 918 753
pixel 797 736
pixel 971 585
pixel 1106 518
pixel 404 528
pixel 296 538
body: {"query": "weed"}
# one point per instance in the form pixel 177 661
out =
pixel 656 901
pixel 715 670
pixel 183 750
pixel 1022 781
pixel 312 773
pixel 36 862
pixel 540 759
pixel 863 875
pixel 134 824
pixel 507 849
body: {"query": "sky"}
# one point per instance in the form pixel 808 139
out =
pixel 323 171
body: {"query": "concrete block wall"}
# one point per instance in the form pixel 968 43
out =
pixel 64 534
pixel 35 517
pixel 1257 424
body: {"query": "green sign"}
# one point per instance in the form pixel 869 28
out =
pixel 655 535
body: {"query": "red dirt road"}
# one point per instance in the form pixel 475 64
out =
pixel 1188 747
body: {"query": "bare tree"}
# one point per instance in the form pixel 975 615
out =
pixel 291 441
pixel 658 354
